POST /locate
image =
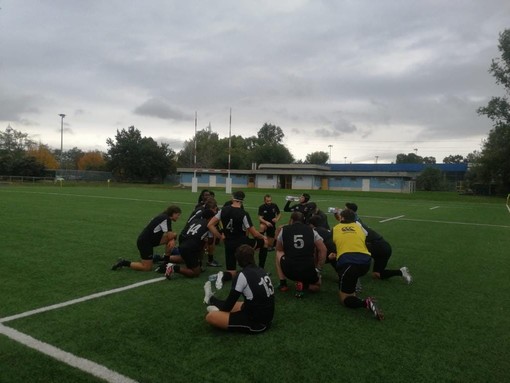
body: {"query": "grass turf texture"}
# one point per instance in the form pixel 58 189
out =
pixel 451 324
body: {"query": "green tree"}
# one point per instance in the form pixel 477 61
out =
pixel 429 160
pixel 270 134
pixel 240 156
pixel 410 158
pixel 272 154
pixel 495 154
pixel 431 179
pixel 317 158
pixel 454 159
pixel 14 157
pixel 132 157
pixel 268 148
pixel 206 150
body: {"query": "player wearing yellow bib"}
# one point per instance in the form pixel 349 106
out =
pixel 352 261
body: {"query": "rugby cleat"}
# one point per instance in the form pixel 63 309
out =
pixel 169 270
pixel 119 264
pixel 207 292
pixel 219 280
pixel 299 290
pixel 359 287
pixel 406 275
pixel 214 263
pixel 371 305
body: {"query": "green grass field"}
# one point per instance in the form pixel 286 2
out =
pixel 58 244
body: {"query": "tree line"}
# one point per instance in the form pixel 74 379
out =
pixel 134 158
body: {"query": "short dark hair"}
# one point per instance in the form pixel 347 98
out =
pixel 210 203
pixel 348 216
pixel 238 196
pixel 297 216
pixel 306 196
pixel 351 206
pixel 245 255
pixel 171 210
pixel 208 213
pixel 315 220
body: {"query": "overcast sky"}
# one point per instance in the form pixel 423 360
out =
pixel 371 78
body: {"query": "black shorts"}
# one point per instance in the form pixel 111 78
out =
pixel 232 245
pixel 191 257
pixel 348 275
pixel 145 249
pixel 381 253
pixel 299 271
pixel 239 321
pixel 270 231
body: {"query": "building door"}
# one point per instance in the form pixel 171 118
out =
pixel 285 182
pixel 212 181
pixel 365 185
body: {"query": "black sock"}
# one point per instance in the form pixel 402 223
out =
pixel 283 282
pixel 177 268
pixel 126 263
pixel 210 257
pixel 166 259
pixel 385 274
pixel 353 302
pixel 262 256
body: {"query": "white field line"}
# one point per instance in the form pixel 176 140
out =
pixel 508 207
pixel 98 196
pixel 433 208
pixel 392 218
pixel 66 357
pixel 444 222
pixel 79 300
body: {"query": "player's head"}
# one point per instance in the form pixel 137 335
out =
pixel 315 220
pixel 245 255
pixel 297 216
pixel 210 203
pixel 203 195
pixel 351 206
pixel 305 197
pixel 268 199
pixel 347 216
pixel 174 212
pixel 208 214
pixel 238 196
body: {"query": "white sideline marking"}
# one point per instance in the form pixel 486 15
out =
pixel 391 219
pixel 435 207
pixel 66 357
pixel 508 207
pixel 79 300
pixel 444 222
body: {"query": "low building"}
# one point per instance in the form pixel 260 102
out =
pixel 399 178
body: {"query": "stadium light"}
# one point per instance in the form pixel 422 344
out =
pixel 330 146
pixel 61 138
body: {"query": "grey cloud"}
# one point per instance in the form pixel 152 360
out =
pixel 161 109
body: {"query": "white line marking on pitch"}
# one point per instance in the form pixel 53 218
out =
pixel 79 300
pixel 63 356
pixel 435 207
pixel 391 219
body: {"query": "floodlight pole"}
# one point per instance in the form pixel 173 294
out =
pixel 228 183
pixel 61 138
pixel 194 181
pixel 330 146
